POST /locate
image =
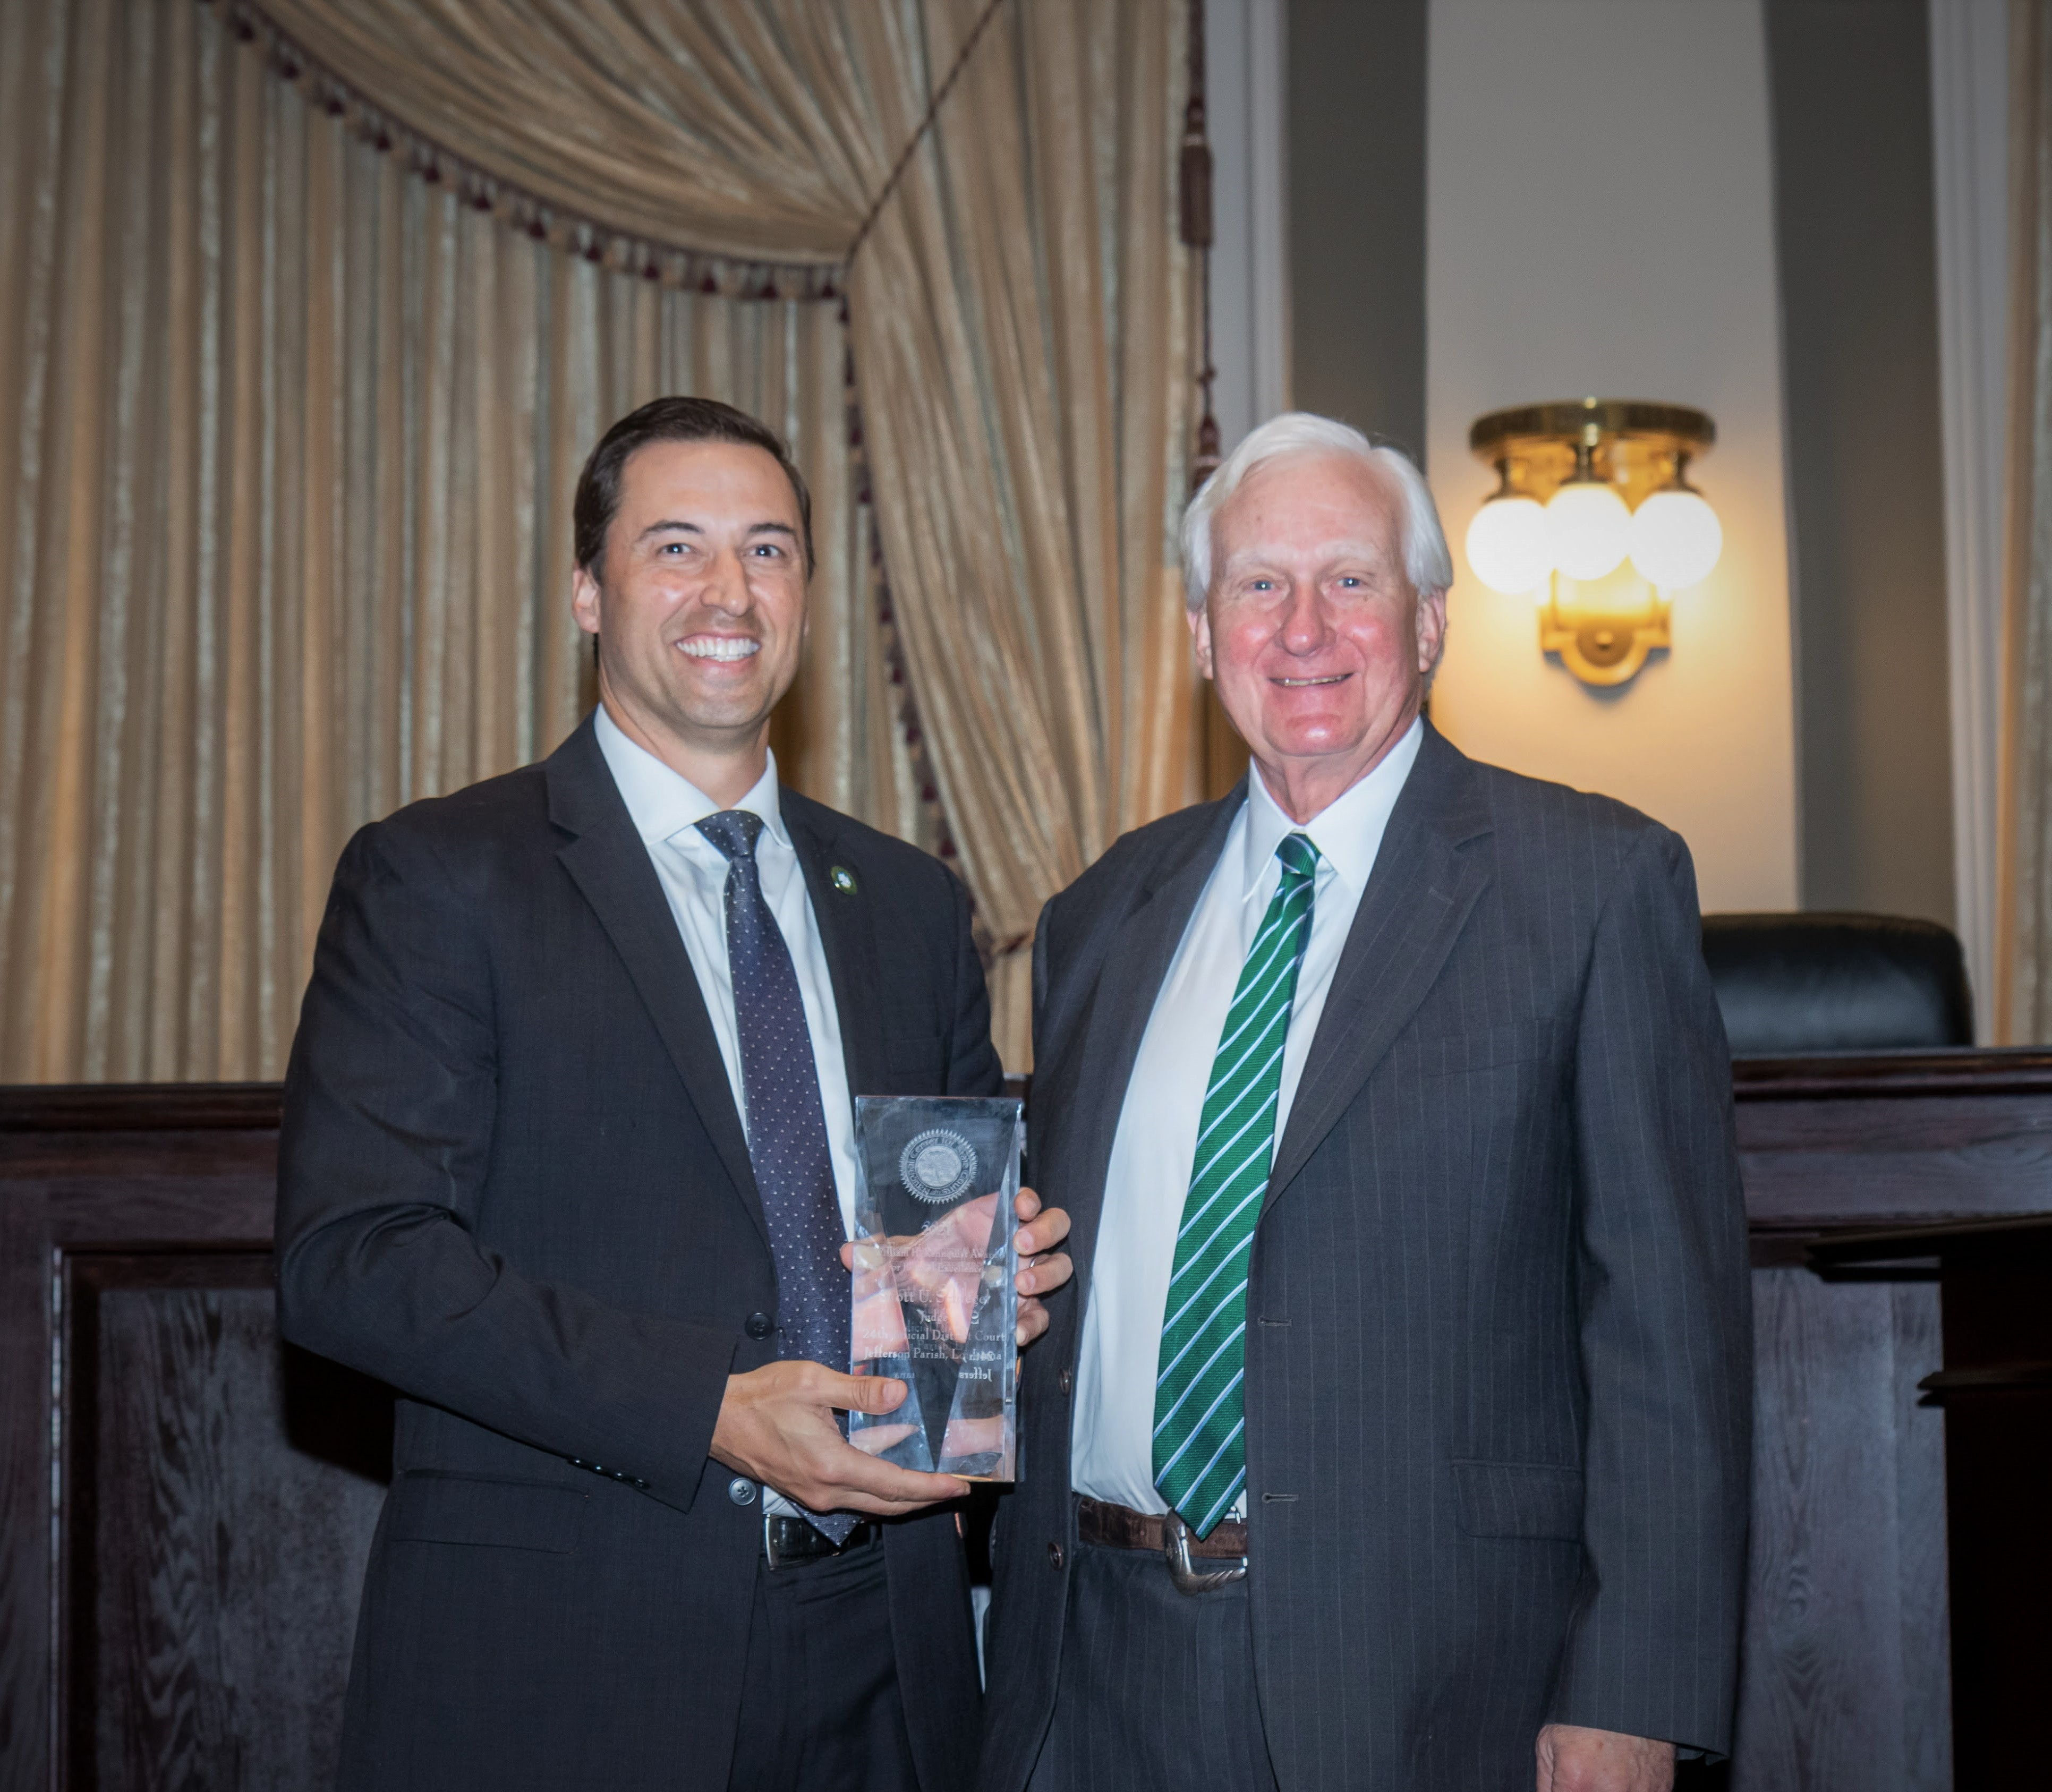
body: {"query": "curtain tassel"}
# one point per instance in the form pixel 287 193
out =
pixel 1196 234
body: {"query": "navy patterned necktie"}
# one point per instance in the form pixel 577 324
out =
pixel 787 1123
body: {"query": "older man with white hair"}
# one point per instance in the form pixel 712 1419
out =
pixel 1396 1436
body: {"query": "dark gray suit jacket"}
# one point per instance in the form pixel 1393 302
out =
pixel 513 1184
pixel 1497 1386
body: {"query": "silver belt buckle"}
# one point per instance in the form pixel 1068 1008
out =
pixel 1182 1568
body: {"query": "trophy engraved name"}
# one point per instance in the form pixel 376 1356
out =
pixel 936 1300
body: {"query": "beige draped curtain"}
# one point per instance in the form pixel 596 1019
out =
pixel 1018 313
pixel 1021 316
pixel 2023 920
pixel 288 435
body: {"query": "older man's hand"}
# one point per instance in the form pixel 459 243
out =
pixel 1573 1759
pixel 1042 1270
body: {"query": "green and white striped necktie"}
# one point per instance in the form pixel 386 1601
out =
pixel 1199 1416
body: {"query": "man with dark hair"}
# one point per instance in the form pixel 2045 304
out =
pixel 568 1158
pixel 671 420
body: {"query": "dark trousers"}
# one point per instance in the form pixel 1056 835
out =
pixel 1157 1689
pixel 819 1709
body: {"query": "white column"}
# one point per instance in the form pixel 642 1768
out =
pixel 1970 150
pixel 1246 101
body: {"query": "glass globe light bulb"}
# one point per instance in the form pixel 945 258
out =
pixel 1506 545
pixel 1675 539
pixel 1588 527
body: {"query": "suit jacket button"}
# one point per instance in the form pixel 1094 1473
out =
pixel 641 1484
pixel 1068 1382
pixel 759 1325
pixel 1054 1555
pixel 742 1491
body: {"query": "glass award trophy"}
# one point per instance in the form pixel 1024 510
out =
pixel 936 1301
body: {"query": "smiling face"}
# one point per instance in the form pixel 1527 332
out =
pixel 1319 645
pixel 698 605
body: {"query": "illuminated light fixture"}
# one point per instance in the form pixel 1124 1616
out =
pixel 1507 543
pixel 1676 538
pixel 1589 526
pixel 1583 487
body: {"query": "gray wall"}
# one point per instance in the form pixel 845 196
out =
pixel 1850 85
pixel 1851 105
pixel 1356 125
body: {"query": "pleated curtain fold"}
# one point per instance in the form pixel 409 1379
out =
pixel 1028 423
pixel 287 437
pixel 1021 314
pixel 292 430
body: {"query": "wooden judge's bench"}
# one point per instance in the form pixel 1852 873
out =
pixel 185 1507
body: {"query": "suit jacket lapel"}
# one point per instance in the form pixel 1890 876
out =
pixel 848 935
pixel 610 865
pixel 1135 963
pixel 1418 899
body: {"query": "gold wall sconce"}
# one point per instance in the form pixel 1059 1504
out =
pixel 1594 515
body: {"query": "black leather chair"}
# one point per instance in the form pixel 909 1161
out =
pixel 1797 982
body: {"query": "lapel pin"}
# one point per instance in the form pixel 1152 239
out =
pixel 844 879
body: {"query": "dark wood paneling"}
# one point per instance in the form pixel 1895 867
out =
pixel 1842 1144
pixel 187 1619
pixel 1888 1075
pixel 1845 1678
pixel 27 1109
pixel 180 1614
pixel 221 1493
pixel 1995 1286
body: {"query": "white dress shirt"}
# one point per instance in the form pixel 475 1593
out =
pixel 666 809
pixel 1111 1447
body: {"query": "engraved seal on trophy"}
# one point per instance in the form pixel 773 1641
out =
pixel 938 1167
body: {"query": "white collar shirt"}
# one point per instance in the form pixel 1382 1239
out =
pixel 1112 1449
pixel 666 809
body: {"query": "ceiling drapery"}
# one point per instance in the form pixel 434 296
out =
pixel 290 424
pixel 1020 311
pixel 288 435
pixel 758 130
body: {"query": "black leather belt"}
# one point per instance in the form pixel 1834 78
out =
pixel 788 1541
pixel 1117 1527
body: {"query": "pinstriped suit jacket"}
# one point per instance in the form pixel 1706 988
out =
pixel 513 1182
pixel 1498 1354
